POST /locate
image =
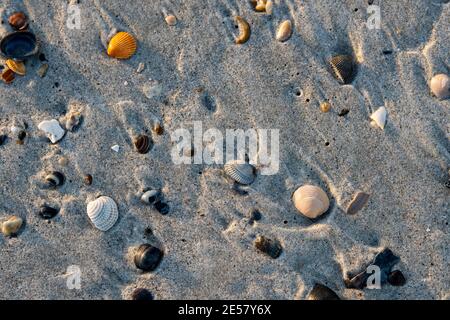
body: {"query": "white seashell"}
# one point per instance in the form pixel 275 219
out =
pixel 103 213
pixel 241 172
pixel 311 201
pixel 440 86
pixel 379 117
pixel 115 148
pixel 284 31
pixel 53 130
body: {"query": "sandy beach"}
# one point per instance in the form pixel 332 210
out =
pixel 191 71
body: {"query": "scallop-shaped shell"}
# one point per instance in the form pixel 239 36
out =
pixel 122 46
pixel 103 213
pixel 16 66
pixel 241 172
pixel 18 20
pixel 143 144
pixel 311 201
pixel 343 67
pixel 284 31
pixel 440 86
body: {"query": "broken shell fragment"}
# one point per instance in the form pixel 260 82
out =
pixel 379 117
pixel 143 144
pixel 344 68
pixel 47 213
pixel 244 30
pixel 18 20
pixel 122 46
pixel 103 213
pixel 440 86
pixel 358 202
pixel 148 257
pixel 42 71
pixel 54 179
pixel 19 45
pixel 171 20
pixel 284 31
pixel 241 172
pixel 270 247
pixel 11 226
pixel 311 201
pixel 17 67
pixel 8 75
pixel 151 197
pixel 321 292
pixel 53 130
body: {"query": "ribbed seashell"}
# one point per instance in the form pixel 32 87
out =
pixel 311 201
pixel 151 196
pixel 19 45
pixel 143 144
pixel 344 68
pixel 18 20
pixel 241 172
pixel 11 226
pixel 440 86
pixel 148 257
pixel 321 292
pixel 379 117
pixel 122 46
pixel 103 213
pixel 16 66
pixel 284 31
pixel 54 179
pixel 8 75
pixel 47 212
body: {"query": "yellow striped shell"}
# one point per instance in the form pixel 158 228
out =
pixel 311 201
pixel 16 66
pixel 122 46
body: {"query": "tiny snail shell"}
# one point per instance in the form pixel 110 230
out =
pixel 148 257
pixel 11 226
pixel 103 213
pixel 270 247
pixel 244 30
pixel 162 207
pixel 151 196
pixel 141 294
pixel 143 144
pixel 54 179
pixel 311 201
pixel 440 86
pixel 321 292
pixel 47 213
pixel 343 67
pixel 241 172
pixel 284 31
pixel 18 20
pixel 122 46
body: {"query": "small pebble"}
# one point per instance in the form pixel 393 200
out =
pixel 141 294
pixel 171 20
pixel 325 107
pixel 148 257
pixel 3 139
pixel 63 161
pixel 47 213
pixel 270 247
pixel 11 226
pixel 343 112
pixel 162 207
pixel 87 179
pixel 42 71
pixel 140 67
pixel 255 215
pixel 396 278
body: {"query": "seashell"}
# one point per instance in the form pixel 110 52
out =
pixel 122 46
pixel 396 278
pixel 311 201
pixel 18 20
pixel 162 207
pixel 8 75
pixel 379 117
pixel 284 31
pixel 54 179
pixel 103 213
pixel 325 107
pixel 11 226
pixel 42 71
pixel 148 257
pixel 16 66
pixel 87 179
pixel 115 148
pixel 269 7
pixel 270 247
pixel 241 172
pixel 321 292
pixel 171 20
pixel 143 144
pixel 151 196
pixel 19 45
pixel 358 202
pixel 343 67
pixel 343 112
pixel 140 67
pixel 53 130
pixel 158 128
pixel 3 138
pixel 440 86
pixel 244 30
pixel 47 213
pixel 255 215
pixel 141 294
pixel 73 121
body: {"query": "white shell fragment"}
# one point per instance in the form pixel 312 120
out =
pixel 379 117
pixel 103 213
pixel 241 172
pixel 115 148
pixel 440 86
pixel 53 130
pixel 284 31
pixel 311 201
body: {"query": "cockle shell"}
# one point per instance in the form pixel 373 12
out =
pixel 143 144
pixel 18 20
pixel 122 46
pixel 440 86
pixel 241 172
pixel 19 45
pixel 284 31
pixel 311 201
pixel 343 67
pixel 16 66
pixel 103 213
pixel 53 130
pixel 379 117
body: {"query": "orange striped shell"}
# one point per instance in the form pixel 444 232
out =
pixel 122 46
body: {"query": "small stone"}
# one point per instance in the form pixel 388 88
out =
pixel 87 179
pixel 171 20
pixel 321 292
pixel 325 107
pixel 396 278
pixel 42 71
pixel 115 148
pixel 3 139
pixel 255 215
pixel 141 294
pixel 270 247
pixel 140 67
pixel 53 130
pixel 162 207
pixel 63 161
pixel 343 112
pixel 11 226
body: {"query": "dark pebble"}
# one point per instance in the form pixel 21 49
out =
pixel 22 135
pixel 88 179
pixel 270 247
pixel 447 184
pixel 162 207
pixel 255 215
pixel 141 294
pixel 148 257
pixel 387 51
pixel 47 212
pixel 3 139
pixel 321 292
pixel 396 278
pixel 343 112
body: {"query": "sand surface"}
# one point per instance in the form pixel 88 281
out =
pixel 207 238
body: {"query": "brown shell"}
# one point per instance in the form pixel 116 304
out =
pixel 16 66
pixel 143 144
pixel 8 75
pixel 358 202
pixel 18 21
pixel 344 68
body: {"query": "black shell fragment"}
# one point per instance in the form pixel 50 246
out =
pixel 321 292
pixel 148 257
pixel 270 247
pixel 47 212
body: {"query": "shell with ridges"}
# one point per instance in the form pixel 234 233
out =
pixel 241 172
pixel 103 213
pixel 16 66
pixel 344 68
pixel 122 46
pixel 311 201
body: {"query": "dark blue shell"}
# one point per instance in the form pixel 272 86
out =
pixel 19 45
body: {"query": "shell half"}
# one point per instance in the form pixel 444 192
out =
pixel 16 66
pixel 440 86
pixel 122 46
pixel 241 172
pixel 311 201
pixel 379 117
pixel 343 67
pixel 103 213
